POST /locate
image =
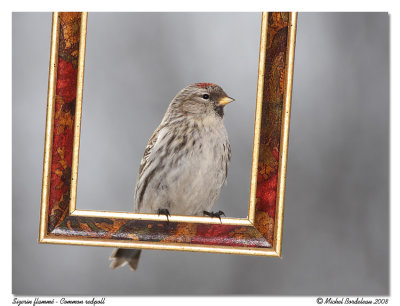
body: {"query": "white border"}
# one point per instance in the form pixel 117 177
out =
pixel 204 5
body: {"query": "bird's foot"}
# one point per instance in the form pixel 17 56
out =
pixel 214 214
pixel 164 211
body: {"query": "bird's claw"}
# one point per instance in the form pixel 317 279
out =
pixel 214 214
pixel 164 211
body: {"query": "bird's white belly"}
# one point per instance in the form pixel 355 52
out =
pixel 193 183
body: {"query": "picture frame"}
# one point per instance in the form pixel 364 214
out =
pixel 258 234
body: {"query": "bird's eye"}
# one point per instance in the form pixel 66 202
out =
pixel 205 96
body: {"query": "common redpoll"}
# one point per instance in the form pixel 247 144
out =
pixel 185 163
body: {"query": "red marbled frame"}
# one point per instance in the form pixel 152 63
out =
pixel 259 234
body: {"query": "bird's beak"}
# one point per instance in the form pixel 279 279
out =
pixel 225 100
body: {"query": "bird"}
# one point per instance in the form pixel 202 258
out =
pixel 185 163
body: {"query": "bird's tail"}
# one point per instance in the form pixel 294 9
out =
pixel 121 257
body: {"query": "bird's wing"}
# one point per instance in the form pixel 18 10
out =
pixel 147 151
pixel 148 159
pixel 145 162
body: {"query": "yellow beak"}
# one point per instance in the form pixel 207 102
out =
pixel 225 100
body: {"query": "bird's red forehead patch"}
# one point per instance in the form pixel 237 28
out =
pixel 205 85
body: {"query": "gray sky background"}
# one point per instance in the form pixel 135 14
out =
pixel 336 227
pixel 130 80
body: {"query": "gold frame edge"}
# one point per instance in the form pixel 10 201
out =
pixel 280 196
pixel 257 121
pixel 78 112
pixel 48 143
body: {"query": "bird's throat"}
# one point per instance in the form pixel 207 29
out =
pixel 219 110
